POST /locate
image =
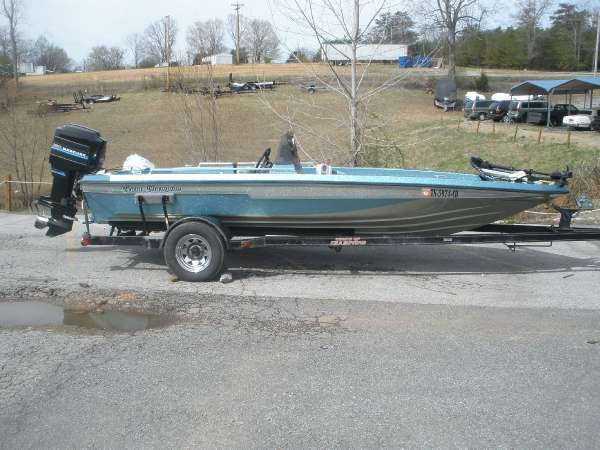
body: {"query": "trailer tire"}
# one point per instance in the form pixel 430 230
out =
pixel 194 251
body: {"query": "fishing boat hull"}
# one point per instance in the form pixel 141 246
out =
pixel 395 202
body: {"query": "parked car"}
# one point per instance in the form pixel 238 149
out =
pixel 595 125
pixel 582 120
pixel 498 110
pixel 518 110
pixel 561 110
pixel 445 94
pixel 476 109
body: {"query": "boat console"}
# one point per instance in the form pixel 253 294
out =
pixel 75 151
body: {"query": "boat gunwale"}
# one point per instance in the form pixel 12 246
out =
pixel 326 181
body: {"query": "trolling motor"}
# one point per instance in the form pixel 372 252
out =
pixel 75 151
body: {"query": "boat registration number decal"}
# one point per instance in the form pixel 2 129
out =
pixel 150 188
pixel 347 242
pixel 439 193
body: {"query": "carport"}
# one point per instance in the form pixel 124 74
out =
pixel 578 85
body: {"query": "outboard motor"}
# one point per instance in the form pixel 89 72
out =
pixel 75 151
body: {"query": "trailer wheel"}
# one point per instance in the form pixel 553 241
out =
pixel 194 251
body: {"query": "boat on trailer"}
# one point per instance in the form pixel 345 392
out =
pixel 196 213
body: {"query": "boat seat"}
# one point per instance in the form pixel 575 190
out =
pixel 287 152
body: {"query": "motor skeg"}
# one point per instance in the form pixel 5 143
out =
pixel 76 151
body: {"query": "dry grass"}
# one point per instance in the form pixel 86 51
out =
pixel 143 79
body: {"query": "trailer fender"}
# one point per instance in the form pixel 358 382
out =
pixel 211 221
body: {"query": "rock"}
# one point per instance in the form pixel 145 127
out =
pixel 226 278
pixel 102 302
pixel 84 285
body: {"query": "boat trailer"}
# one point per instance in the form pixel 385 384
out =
pixel 511 235
pixel 201 256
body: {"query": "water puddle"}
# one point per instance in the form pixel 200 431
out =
pixel 37 314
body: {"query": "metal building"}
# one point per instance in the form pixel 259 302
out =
pixel 340 53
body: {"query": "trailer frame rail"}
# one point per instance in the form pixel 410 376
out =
pixel 510 235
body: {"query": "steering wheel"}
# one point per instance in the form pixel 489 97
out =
pixel 263 161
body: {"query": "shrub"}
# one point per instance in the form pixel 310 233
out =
pixel 481 83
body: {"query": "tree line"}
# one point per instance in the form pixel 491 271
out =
pixel 567 43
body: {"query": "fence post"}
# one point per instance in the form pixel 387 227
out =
pixel 569 138
pixel 540 135
pixel 493 127
pixel 516 131
pixel 8 192
pixel 478 124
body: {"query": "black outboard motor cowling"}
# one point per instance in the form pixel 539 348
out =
pixel 75 151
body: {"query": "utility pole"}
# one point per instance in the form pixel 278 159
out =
pixel 168 50
pixel 237 7
pixel 597 42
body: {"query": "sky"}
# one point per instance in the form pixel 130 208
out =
pixel 79 25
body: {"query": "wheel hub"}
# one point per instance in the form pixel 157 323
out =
pixel 193 253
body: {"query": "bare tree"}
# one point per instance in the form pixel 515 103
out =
pixel 331 21
pixel 529 17
pixel 105 58
pixel 4 42
pixel 452 16
pixel 198 117
pixel 12 10
pixel 54 58
pixel 205 38
pixel 135 45
pixel 160 38
pixel 261 40
pixel 23 151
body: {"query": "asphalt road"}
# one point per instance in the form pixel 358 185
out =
pixel 410 347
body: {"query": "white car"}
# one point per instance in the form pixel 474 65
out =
pixel 580 121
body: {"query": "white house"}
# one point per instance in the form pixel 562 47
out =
pixel 27 68
pixel 340 53
pixel 219 58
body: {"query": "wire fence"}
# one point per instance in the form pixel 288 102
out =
pixel 23 182
pixel 9 191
